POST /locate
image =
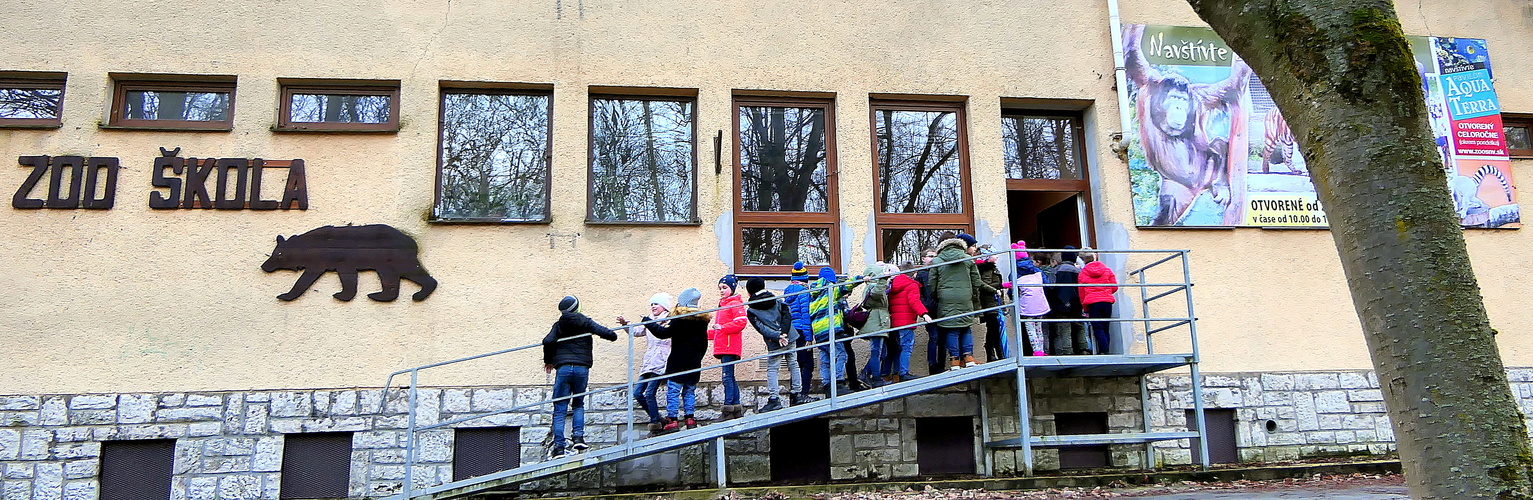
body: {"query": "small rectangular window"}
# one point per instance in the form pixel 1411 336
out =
pixel 643 160
pixel 476 452
pixel 137 470
pixel 316 465
pixel 904 245
pixel 173 102
pixel 349 106
pixel 1041 147
pixel 1519 136
pixel 494 156
pixel 782 246
pixel 31 100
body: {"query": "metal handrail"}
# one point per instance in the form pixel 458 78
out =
pixel 830 343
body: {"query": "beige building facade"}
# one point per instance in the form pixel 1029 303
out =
pixel 140 300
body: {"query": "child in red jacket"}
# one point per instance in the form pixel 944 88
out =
pixel 725 333
pixel 1097 300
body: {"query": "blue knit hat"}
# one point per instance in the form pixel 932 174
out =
pixel 800 272
pixel 730 280
pixel 968 239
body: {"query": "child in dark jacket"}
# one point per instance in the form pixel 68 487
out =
pixel 567 348
pixel 689 343
pixel 772 319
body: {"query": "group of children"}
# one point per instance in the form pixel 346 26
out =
pixel 886 303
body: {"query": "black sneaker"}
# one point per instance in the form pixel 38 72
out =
pixel 558 452
pixel 580 445
pixel 772 404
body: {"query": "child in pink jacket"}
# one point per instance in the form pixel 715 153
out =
pixel 725 333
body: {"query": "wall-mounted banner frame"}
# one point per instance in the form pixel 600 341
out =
pixel 1207 146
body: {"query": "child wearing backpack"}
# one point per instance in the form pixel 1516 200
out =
pixel 771 318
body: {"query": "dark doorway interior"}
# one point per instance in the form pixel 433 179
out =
pixel 1045 219
pixel 801 451
pixel 1082 457
pixel 1221 436
pixel 945 445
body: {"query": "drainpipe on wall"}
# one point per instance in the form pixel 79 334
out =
pixel 1120 69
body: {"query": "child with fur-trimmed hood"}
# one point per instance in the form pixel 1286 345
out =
pixel 688 332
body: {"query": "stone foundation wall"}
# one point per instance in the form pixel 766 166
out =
pixel 229 444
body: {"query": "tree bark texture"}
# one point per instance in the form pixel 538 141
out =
pixel 1343 75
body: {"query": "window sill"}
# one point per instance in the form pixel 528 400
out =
pixel 488 222
pixel 1173 228
pixel 641 223
pixel 168 128
pixel 286 130
pixel 3 124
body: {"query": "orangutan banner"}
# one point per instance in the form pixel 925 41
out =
pixel 1207 146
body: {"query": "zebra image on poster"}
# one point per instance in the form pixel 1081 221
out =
pixel 1207 146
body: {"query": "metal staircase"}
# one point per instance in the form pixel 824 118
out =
pixel 1018 366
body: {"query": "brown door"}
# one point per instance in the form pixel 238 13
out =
pixel 1221 436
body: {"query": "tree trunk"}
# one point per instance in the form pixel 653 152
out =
pixel 1342 73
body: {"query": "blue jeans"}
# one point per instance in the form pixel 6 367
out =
pixel 897 352
pixel 825 363
pixel 644 394
pixel 959 341
pixel 936 352
pixel 678 395
pixel 570 379
pixel 878 351
pixel 731 388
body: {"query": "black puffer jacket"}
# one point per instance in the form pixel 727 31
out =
pixel 689 342
pixel 558 351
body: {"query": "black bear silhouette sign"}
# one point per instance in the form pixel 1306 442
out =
pixel 347 250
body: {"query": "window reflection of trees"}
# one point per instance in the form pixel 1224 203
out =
pixel 338 108
pixel 784 246
pixel 641 160
pixel 30 103
pixel 170 105
pixel 1040 147
pixel 494 157
pixel 904 246
pixel 918 162
pixel 782 159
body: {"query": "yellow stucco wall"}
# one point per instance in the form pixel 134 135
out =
pixel 132 299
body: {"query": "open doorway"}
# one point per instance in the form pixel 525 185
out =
pixel 1048 219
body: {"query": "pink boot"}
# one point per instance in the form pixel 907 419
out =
pixel 1040 353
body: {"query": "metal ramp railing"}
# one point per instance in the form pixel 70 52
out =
pixel 1016 365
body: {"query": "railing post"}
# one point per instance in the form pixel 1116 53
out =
pixel 628 394
pixel 409 435
pixel 718 462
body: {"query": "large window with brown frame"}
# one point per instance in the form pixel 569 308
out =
pixel 643 160
pixel 785 179
pixel 338 106
pixel 1047 182
pixel 181 102
pixel 31 100
pixel 1519 135
pixel 493 156
pixel 921 175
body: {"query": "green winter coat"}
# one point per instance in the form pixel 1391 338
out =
pixel 877 301
pixel 958 285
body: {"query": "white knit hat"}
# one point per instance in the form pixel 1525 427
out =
pixel 664 299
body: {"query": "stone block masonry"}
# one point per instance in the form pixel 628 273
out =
pixel 229 444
